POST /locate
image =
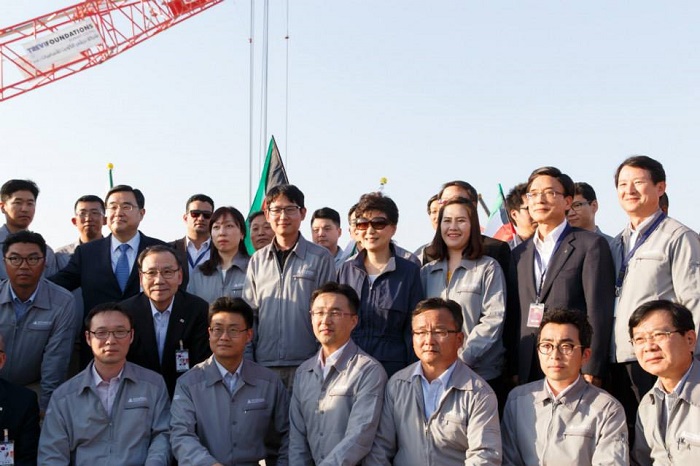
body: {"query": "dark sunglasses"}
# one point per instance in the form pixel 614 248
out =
pixel 378 223
pixel 203 213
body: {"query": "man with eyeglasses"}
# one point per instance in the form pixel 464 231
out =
pixel 18 204
pixel 562 267
pixel 170 325
pixel 105 269
pixel 228 409
pixel 338 394
pixel 437 411
pixel 583 209
pixel 656 257
pixel 664 339
pixel 113 412
pixel 36 319
pixel 194 249
pixel 563 419
pixel 280 279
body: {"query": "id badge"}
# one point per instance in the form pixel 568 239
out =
pixel 182 360
pixel 534 316
pixel 7 452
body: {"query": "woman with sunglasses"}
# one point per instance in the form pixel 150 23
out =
pixel 224 273
pixel 388 285
pixel 461 272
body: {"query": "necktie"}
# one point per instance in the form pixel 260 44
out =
pixel 121 271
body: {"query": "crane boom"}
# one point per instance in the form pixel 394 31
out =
pixel 43 50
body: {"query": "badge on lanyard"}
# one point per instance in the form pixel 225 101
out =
pixel 535 314
pixel 182 359
pixel 7 449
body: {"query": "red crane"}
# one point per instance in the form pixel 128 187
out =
pixel 45 49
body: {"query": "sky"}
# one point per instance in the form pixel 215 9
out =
pixel 417 92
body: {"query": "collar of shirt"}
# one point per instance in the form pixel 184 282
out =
pixel 223 371
pixel 444 378
pixel 434 391
pixel 16 299
pixel 562 393
pixel 331 359
pixel 167 310
pixel 97 378
pixel 546 245
pixel 193 248
pixel 133 242
pixel 634 232
pixel 661 392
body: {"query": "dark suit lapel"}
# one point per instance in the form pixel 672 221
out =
pixel 176 324
pixel 143 320
pixel 561 255
pixel 106 259
pixel 3 403
pixel 133 282
pixel 526 274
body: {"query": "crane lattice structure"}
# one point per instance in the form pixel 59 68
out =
pixel 43 50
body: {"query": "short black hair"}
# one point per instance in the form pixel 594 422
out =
pixel 90 198
pixel 255 215
pixel 432 199
pixel 200 198
pixel 328 214
pixel 156 248
pixel 379 202
pixel 24 236
pixel 125 188
pixel 107 307
pixel 654 167
pixel 564 179
pixel 352 211
pixel 514 199
pixel 432 304
pixel 681 317
pixel 574 317
pixel 585 190
pixel 473 194
pixel 233 306
pixel 289 191
pixel 342 289
pixel 12 186
pixel 209 267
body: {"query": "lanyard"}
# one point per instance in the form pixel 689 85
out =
pixel 538 259
pixel 192 263
pixel 626 259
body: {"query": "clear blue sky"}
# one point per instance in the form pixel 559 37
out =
pixel 418 92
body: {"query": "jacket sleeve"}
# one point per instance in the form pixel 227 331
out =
pixel 363 420
pixel 159 449
pixel 54 443
pixel 384 445
pixel 509 435
pixel 277 438
pixel 416 295
pixel 70 276
pixel 488 331
pixel 641 451
pixel 56 358
pixel 187 448
pixel 483 431
pixel 685 271
pixel 599 291
pixel 612 445
pixel 299 450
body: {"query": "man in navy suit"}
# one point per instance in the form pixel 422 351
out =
pixel 170 326
pixel 564 267
pixel 19 414
pixel 105 269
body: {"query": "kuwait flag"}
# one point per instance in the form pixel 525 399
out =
pixel 273 174
pixel 499 225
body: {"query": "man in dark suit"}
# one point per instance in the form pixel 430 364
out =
pixel 562 267
pixel 19 414
pixel 193 250
pixel 170 326
pixel 105 269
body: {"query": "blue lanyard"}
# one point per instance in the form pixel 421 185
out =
pixel 543 269
pixel 626 259
pixel 192 263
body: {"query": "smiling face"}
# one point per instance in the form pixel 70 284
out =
pixel 226 348
pixel 285 224
pixel 637 193
pixel 226 234
pixel 548 204
pixel 159 289
pixel 374 239
pixel 124 215
pixel 332 332
pixel 670 358
pixel 19 210
pixel 455 227
pixel 89 220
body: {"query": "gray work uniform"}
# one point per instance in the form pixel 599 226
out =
pixel 211 287
pixel 333 421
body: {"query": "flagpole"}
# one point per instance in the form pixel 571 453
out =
pixel 250 91
pixel 110 167
pixel 483 205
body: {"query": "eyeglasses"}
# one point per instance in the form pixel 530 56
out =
pixel 377 223
pixel 577 205
pixel 233 333
pixel 548 194
pixel 16 261
pixel 334 314
pixel 201 213
pixel 656 337
pixel 89 213
pixel 125 207
pixel 564 348
pixel 165 273
pixel 104 334
pixel 439 334
pixel 288 210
